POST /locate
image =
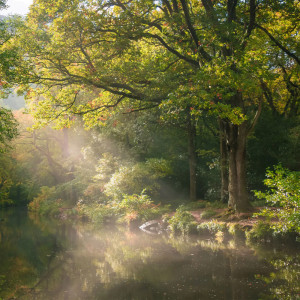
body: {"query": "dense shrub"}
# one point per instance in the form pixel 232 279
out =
pixel 261 231
pixel 140 208
pixel 236 230
pixel 211 227
pixel 134 178
pixel 97 213
pixel 131 208
pixel 46 203
pixel 182 222
pixel 284 196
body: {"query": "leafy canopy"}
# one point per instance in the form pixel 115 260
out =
pixel 88 57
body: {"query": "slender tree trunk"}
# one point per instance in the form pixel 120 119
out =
pixel 65 144
pixel 191 131
pixel 223 162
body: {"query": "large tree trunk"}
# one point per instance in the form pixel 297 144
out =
pixel 236 138
pixel 223 162
pixel 191 131
pixel 237 187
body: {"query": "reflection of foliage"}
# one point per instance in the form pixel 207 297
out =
pixel 123 259
pixel 284 193
pixel 61 261
pixel 284 281
pixel 183 244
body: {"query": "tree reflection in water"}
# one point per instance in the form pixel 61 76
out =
pixel 46 259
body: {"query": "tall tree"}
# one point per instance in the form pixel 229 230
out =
pixel 89 56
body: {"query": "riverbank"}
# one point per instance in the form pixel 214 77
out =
pixel 212 220
pixel 220 223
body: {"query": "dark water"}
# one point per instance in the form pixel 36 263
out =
pixel 47 259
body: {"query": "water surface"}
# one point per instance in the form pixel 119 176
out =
pixel 45 259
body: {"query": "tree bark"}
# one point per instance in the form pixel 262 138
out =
pixel 237 187
pixel 191 132
pixel 236 138
pixel 223 162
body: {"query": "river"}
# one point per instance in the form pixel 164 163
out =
pixel 45 259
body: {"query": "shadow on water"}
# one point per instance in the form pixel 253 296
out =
pixel 48 259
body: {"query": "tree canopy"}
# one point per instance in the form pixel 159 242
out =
pixel 226 58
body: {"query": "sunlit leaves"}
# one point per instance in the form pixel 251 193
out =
pixel 8 128
pixel 141 51
pixel 283 193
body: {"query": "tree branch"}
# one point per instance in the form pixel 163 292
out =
pixel 252 16
pixel 161 40
pixel 277 43
pixel 188 22
pixel 256 117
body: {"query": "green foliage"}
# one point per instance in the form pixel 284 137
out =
pixel 211 227
pixel 182 222
pixel 195 205
pixel 275 139
pixel 140 208
pixel 261 231
pixel 284 282
pixel 6 178
pixel 284 196
pixel 216 204
pixel 207 214
pixel 45 203
pixel 8 128
pixel 235 229
pixel 97 213
pixel 132 208
pixel 134 178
